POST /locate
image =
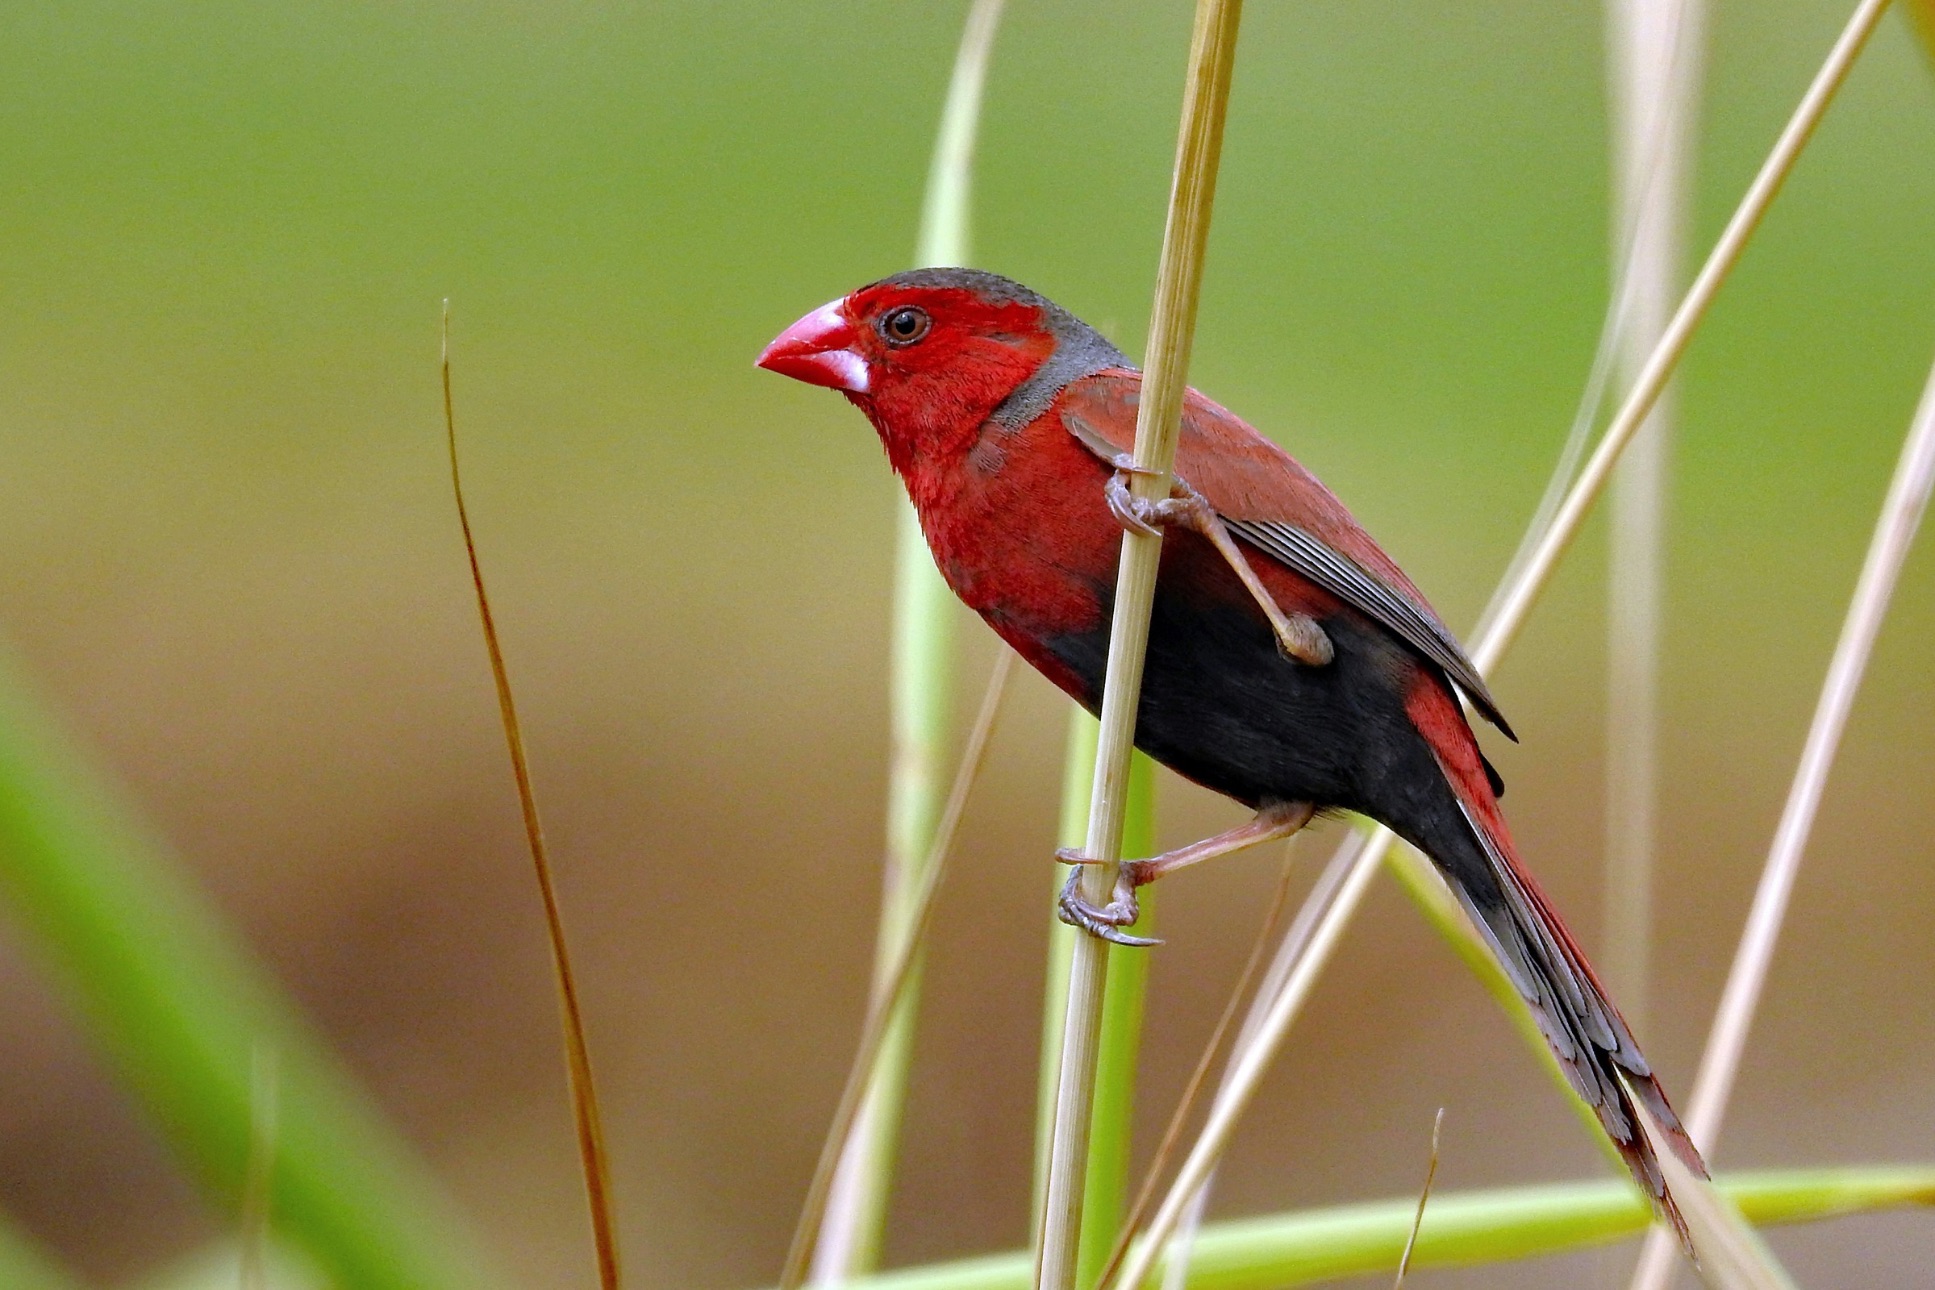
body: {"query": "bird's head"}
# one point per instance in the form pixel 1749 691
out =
pixel 931 354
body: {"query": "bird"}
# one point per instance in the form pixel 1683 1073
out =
pixel 1291 664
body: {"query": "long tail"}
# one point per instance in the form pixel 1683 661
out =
pixel 1586 1032
pixel 1473 849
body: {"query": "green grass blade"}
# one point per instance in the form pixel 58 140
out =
pixel 1107 1182
pixel 1123 1006
pixel 1107 1185
pixel 216 1267
pixel 922 692
pixel 179 1006
pixel 1460 1229
pixel 25 1265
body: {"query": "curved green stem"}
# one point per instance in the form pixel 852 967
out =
pixel 181 1008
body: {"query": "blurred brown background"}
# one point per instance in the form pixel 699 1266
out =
pixel 227 550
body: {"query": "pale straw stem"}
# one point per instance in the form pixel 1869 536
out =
pixel 1652 377
pixel 1290 950
pixel 1894 531
pixel 1654 49
pixel 1158 425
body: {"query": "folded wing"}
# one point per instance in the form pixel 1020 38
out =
pixel 1271 502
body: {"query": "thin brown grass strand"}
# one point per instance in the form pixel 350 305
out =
pixel 1424 1197
pixel 1193 1089
pixel 880 1009
pixel 584 1094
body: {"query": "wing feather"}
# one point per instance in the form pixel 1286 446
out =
pixel 1279 508
pixel 1349 582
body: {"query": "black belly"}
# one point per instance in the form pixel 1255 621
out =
pixel 1223 707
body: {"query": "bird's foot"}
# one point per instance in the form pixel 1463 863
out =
pixel 1107 921
pixel 1302 639
pixel 1150 517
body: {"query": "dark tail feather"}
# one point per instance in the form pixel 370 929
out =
pixel 1584 1029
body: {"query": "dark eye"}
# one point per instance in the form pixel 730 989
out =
pixel 905 325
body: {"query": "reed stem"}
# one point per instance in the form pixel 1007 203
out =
pixel 1901 515
pixel 1653 47
pixel 1516 606
pixel 1158 425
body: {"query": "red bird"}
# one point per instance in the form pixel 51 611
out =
pixel 1291 664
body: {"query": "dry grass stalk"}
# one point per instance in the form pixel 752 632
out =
pixel 1424 1198
pixel 1512 608
pixel 1158 424
pixel 1654 49
pixel 1901 515
pixel 1647 386
pixel 892 987
pixel 584 1093
pixel 1289 950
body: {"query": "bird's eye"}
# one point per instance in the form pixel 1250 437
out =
pixel 905 325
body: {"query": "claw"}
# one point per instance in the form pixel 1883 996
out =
pixel 1106 923
pixel 1130 511
pixel 1075 856
pixel 1118 937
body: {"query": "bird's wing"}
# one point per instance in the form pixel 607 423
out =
pixel 1270 501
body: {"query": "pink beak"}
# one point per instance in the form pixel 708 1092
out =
pixel 818 349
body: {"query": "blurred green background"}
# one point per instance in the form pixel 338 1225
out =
pixel 228 553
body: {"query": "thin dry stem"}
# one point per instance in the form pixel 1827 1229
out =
pixel 1251 1059
pixel 1895 527
pixel 1158 425
pixel 1517 605
pixel 1654 47
pixel 1424 1197
pixel 1606 355
pixel 584 1093
pixel 893 985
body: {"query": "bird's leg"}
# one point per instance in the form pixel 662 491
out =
pixel 1277 820
pixel 1299 636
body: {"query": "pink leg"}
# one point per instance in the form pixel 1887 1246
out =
pixel 1278 820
